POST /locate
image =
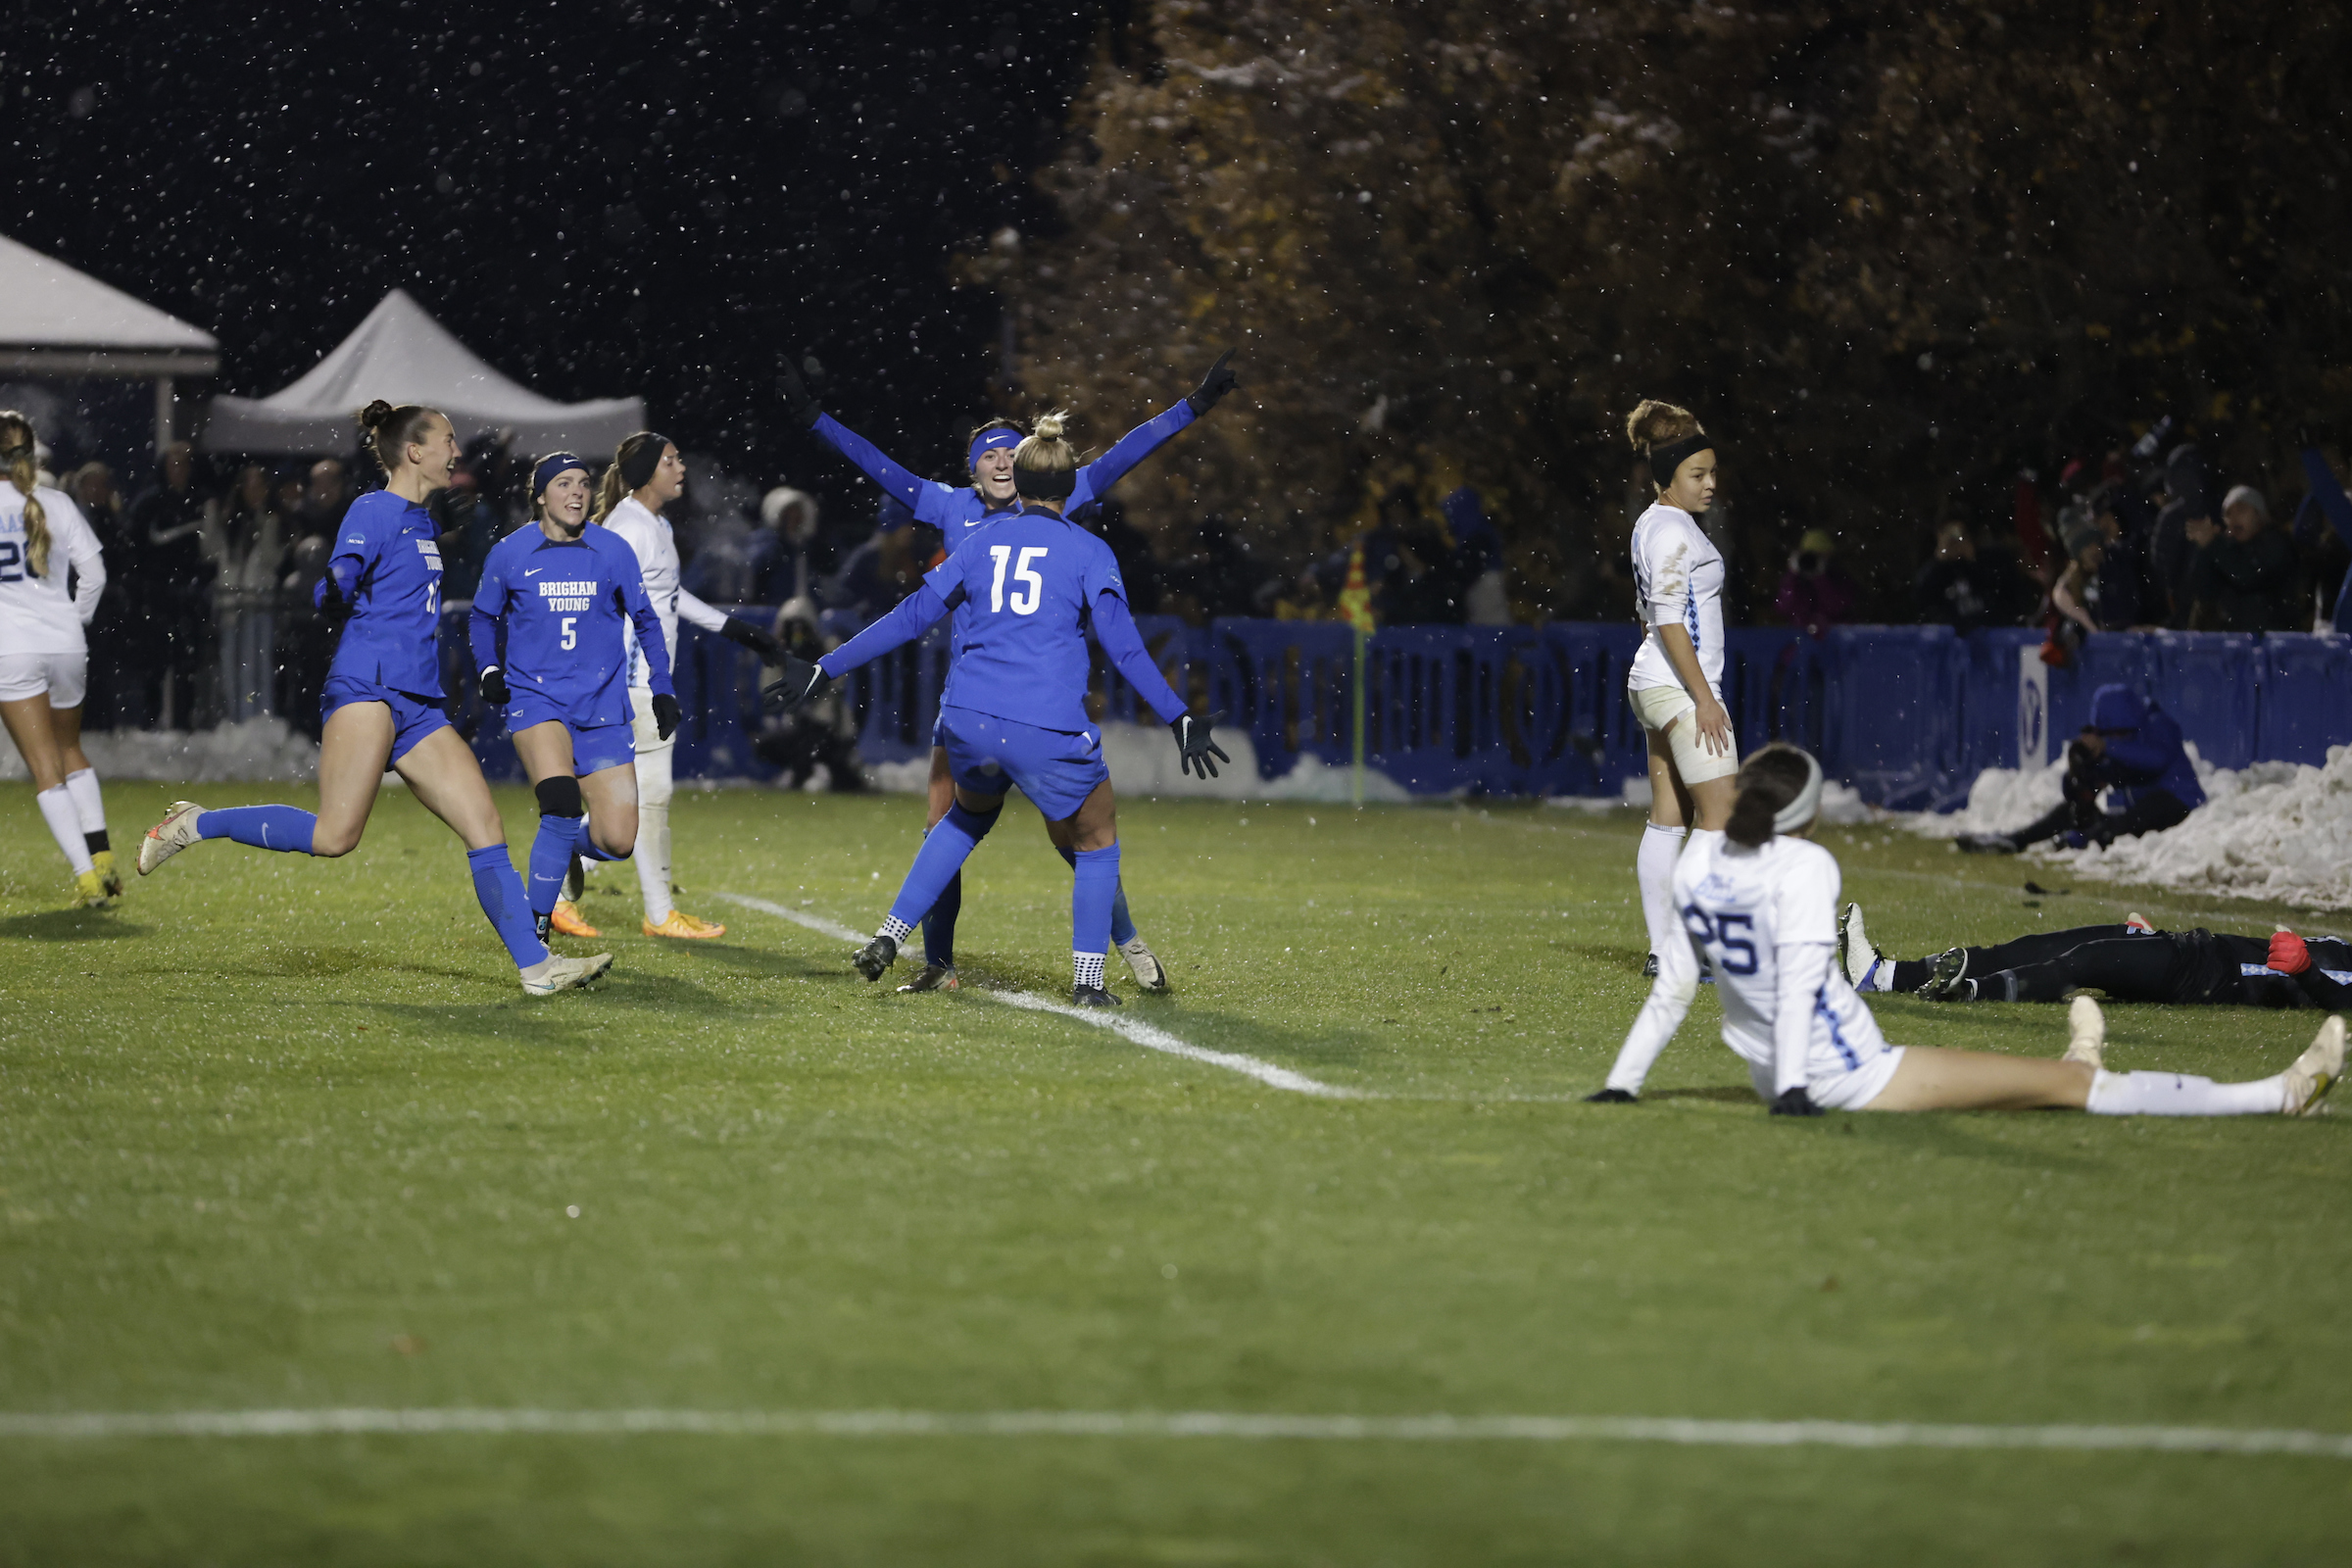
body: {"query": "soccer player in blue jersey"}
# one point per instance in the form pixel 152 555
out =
pixel 957 512
pixel 549 638
pixel 1025 588
pixel 383 698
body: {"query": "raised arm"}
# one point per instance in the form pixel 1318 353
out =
pixel 2328 492
pixel 870 461
pixel 1095 478
pixel 1115 630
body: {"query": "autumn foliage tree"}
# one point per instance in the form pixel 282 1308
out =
pixel 1890 254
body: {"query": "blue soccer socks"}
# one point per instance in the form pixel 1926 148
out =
pixel 286 828
pixel 945 847
pixel 501 894
pixel 1092 889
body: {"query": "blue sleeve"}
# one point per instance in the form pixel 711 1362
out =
pixel 2136 760
pixel 870 458
pixel 1115 630
pixel 2328 492
pixel 639 608
pixel 354 555
pixel 913 617
pixel 1096 477
pixel 484 628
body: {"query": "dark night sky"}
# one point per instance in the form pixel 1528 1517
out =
pixel 600 198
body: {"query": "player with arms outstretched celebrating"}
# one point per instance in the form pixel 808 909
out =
pixel 955 512
pixel 1015 709
pixel 1761 903
pixel 550 637
pixel 383 702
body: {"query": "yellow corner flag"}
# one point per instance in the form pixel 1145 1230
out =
pixel 1355 599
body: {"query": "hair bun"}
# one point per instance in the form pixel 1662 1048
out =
pixel 376 415
pixel 1049 427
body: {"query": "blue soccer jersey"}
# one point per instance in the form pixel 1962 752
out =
pixel 553 616
pixel 1024 588
pixel 387 568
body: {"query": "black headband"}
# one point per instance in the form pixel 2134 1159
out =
pixel 637 468
pixel 1667 460
pixel 1044 484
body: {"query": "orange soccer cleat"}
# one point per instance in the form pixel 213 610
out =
pixel 682 924
pixel 568 920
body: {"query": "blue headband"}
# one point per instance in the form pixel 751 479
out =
pixel 988 441
pixel 549 466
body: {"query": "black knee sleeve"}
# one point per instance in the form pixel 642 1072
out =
pixel 561 796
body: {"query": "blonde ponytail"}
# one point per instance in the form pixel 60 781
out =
pixel 608 491
pixel 1044 467
pixel 17 451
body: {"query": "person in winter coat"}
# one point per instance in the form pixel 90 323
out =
pixel 2130 748
pixel 2245 577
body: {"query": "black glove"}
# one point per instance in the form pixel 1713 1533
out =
pixel 665 715
pixel 803 681
pixel 1196 748
pixel 448 507
pixel 494 687
pixel 1795 1103
pixel 751 637
pixel 1611 1097
pixel 798 402
pixel 1214 386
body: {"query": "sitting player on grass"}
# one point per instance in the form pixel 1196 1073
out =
pixel 2129 962
pixel 1015 709
pixel 1761 904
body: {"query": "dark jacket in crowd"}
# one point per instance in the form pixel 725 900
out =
pixel 2144 751
pixel 167 526
pixel 2170 554
pixel 2252 586
pixel 1966 595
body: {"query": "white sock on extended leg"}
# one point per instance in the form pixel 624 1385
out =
pixel 575 882
pixel 2172 1094
pixel 653 861
pixel 65 826
pixel 88 804
pixel 1653 867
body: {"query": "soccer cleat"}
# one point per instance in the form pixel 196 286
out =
pixel 2085 1033
pixel 103 863
pixel 1093 996
pixel 2137 925
pixel 1650 967
pixel 1948 981
pixel 2315 1071
pixel 935 977
pixel 1857 955
pixel 89 892
pixel 174 833
pixel 567 921
pixel 1985 844
pixel 875 956
pixel 556 972
pixel 683 925
pixel 1149 971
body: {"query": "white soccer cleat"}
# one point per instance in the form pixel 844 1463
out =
pixel 2087 1033
pixel 2315 1071
pixel 1150 972
pixel 556 972
pixel 1855 954
pixel 174 833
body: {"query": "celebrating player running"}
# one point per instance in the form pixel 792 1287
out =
pixel 1015 709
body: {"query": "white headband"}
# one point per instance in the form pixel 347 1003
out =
pixel 1807 804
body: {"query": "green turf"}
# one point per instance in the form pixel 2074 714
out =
pixel 283 1133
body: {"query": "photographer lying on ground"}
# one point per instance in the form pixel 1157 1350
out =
pixel 2130 747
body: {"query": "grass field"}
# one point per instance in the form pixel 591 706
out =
pixel 281 1134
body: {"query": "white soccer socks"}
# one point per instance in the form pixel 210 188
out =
pixel 65 826
pixel 652 861
pixel 90 805
pixel 2172 1094
pixel 1653 867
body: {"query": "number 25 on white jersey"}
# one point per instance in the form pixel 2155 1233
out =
pixel 1024 603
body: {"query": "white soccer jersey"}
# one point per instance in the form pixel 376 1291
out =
pixel 1678 580
pixel 649 535
pixel 36 614
pixel 1751 912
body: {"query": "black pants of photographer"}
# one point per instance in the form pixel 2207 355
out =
pixel 2152 812
pixel 2198 969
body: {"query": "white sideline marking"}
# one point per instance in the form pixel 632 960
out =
pixel 91 1424
pixel 1143 1034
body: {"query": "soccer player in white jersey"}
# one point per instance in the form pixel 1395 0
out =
pixel 1760 902
pixel 45 657
pixel 1676 682
pixel 646 475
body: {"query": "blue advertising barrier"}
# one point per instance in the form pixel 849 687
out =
pixel 1908 716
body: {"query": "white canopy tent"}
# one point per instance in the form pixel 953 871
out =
pixel 402 355
pixel 56 321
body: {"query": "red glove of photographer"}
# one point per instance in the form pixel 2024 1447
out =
pixel 2289 955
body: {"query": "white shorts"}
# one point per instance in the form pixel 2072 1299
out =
pixel 63 676
pixel 1657 708
pixel 1845 1091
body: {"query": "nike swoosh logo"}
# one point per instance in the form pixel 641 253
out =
pixel 534 571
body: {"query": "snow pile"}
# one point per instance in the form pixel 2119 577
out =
pixel 255 750
pixel 1143 760
pixel 2274 830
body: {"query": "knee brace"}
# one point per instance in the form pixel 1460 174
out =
pixel 561 796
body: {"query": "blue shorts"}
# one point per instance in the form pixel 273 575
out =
pixel 413 717
pixel 594 747
pixel 1056 768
